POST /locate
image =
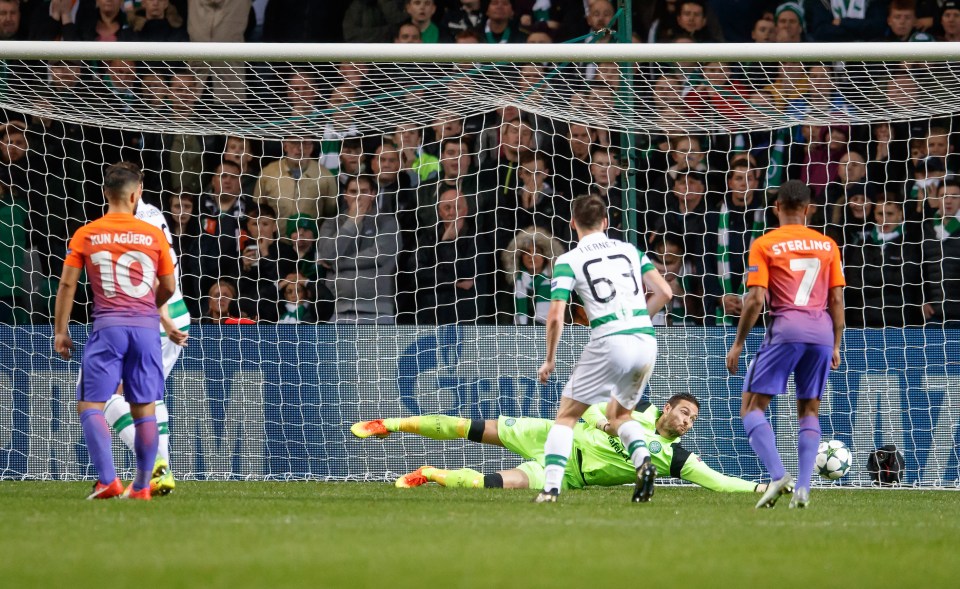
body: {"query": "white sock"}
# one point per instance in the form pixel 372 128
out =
pixel 556 453
pixel 631 434
pixel 117 412
pixel 163 426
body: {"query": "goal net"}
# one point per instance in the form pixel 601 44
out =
pixel 363 233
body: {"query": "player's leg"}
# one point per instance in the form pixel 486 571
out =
pixel 632 358
pixel 143 387
pixel 163 427
pixel 811 380
pixel 162 482
pixel 163 431
pixel 145 448
pixel 117 412
pixel 808 441
pixel 629 431
pixel 96 435
pixel 528 475
pixel 170 353
pixel 558 447
pixel 514 478
pixel 523 436
pixel 767 376
pixel 588 384
pixel 119 417
pixel 466 478
pixel 100 376
pixel 760 433
pixel 436 427
pixel 632 435
pixel 764 443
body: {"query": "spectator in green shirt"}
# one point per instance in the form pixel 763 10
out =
pixel 421 14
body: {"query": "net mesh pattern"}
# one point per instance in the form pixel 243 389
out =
pixel 682 97
pixel 403 218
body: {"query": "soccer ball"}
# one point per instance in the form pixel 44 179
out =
pixel 833 459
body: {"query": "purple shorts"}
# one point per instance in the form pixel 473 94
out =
pixel 130 354
pixel 769 370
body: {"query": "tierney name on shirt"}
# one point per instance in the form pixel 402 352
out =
pixel 801 245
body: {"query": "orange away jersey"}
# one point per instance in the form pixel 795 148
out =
pixel 798 266
pixel 123 256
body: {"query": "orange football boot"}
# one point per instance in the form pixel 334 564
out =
pixel 141 495
pixel 413 479
pixel 101 491
pixel 365 429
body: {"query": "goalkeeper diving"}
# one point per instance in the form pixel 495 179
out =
pixel 599 457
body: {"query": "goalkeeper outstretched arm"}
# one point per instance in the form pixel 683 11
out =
pixel 696 471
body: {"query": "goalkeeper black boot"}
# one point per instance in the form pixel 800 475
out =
pixel 645 477
pixel 545 496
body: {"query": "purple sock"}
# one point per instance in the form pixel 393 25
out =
pixel 145 447
pixel 808 440
pixel 97 436
pixel 764 443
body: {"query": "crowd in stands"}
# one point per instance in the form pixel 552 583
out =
pixel 460 221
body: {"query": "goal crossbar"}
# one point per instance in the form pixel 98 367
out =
pixel 483 53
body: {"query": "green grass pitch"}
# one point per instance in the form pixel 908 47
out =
pixel 255 534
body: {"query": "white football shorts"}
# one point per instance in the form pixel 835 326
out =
pixel 170 353
pixel 617 366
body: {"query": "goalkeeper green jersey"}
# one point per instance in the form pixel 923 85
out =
pixel 604 460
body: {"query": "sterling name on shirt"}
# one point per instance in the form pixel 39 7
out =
pixel 801 245
pixel 124 238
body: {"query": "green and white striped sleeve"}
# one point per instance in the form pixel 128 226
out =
pixel 562 283
pixel 645 264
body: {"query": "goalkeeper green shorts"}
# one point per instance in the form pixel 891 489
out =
pixel 526 436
